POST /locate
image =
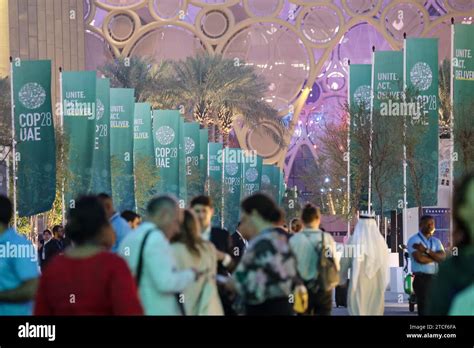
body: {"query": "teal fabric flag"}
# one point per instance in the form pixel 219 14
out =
pixel 34 135
pixel 271 181
pixel 101 176
pixel 79 113
pixel 421 66
pixel 192 159
pixel 214 168
pixel 463 98
pixel 183 186
pixel 360 79
pixel 387 148
pixel 166 124
pixel 232 187
pixel 203 141
pixel 146 173
pixel 122 109
pixel 251 174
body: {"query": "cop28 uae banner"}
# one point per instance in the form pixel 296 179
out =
pixel 251 174
pixel 360 80
pixel 421 69
pixel 463 98
pixel 388 121
pixel 146 174
pixel 192 154
pixel 166 124
pixel 79 115
pixel 101 176
pixel 34 133
pixel 122 107
pixel 203 140
pixel 214 169
pixel 232 159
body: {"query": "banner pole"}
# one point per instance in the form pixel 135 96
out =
pixel 12 102
pixel 405 199
pixel 369 200
pixel 61 125
pixel 348 178
pixel 451 130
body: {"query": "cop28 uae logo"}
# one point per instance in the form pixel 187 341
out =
pixel 231 168
pixel 189 145
pixel 265 179
pixel 165 135
pixel 32 95
pixel 100 109
pixel 421 76
pixel 251 174
pixel 362 96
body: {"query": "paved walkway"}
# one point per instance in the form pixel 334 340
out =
pixel 392 307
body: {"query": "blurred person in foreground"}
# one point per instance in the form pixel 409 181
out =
pixel 119 225
pixel 87 279
pixel 266 275
pixel 308 250
pixel 18 273
pixel 366 257
pixel 190 250
pixel 452 289
pixel 150 257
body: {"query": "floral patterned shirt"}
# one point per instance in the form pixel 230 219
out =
pixel 267 270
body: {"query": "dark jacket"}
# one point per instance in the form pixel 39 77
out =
pixel 222 240
pixel 51 249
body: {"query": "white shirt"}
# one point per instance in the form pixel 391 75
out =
pixel 303 245
pixel 160 282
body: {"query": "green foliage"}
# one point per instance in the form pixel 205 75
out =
pixel 146 178
pixel 5 112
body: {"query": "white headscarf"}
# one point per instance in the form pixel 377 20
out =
pixel 370 243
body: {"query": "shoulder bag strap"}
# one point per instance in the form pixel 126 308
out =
pixel 138 276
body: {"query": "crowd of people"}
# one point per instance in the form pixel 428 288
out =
pixel 174 262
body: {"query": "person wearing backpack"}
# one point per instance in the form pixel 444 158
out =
pixel 317 261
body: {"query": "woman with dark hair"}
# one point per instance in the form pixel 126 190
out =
pixel 452 290
pixel 87 279
pixel 266 275
pixel 190 250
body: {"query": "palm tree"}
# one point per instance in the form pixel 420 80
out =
pixel 215 92
pixel 142 74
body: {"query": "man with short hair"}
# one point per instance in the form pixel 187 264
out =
pixel 60 236
pixel 305 246
pixel 119 225
pixel 159 283
pixel 295 225
pixel 132 218
pixel 18 273
pixel 50 248
pixel 426 251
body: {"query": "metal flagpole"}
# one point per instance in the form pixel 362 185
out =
pixel 12 101
pixel 405 200
pixel 451 165
pixel 371 133
pixel 349 149
pixel 61 124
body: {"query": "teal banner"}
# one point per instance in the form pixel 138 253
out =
pixel 233 159
pixel 215 178
pixel 122 109
pixel 360 80
pixel 251 174
pixel 281 186
pixel 183 186
pixel 421 64
pixel 166 124
pixel 146 173
pixel 271 181
pixel 34 135
pixel 101 176
pixel 79 114
pixel 203 141
pixel 463 99
pixel 388 117
pixel 192 159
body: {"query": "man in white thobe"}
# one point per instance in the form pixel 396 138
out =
pixel 368 265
